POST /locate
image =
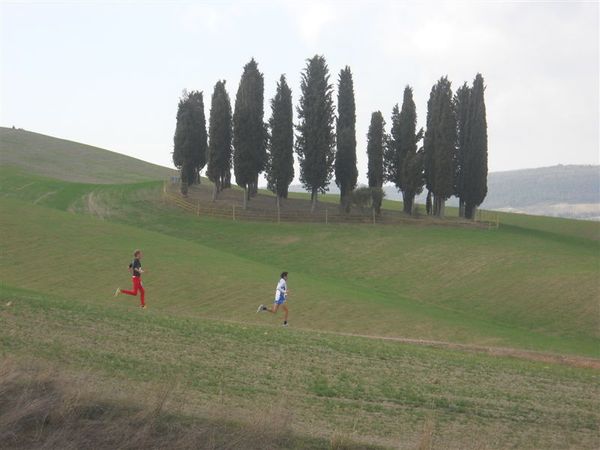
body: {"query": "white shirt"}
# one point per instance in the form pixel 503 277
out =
pixel 281 288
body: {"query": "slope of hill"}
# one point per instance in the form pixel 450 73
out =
pixel 376 284
pixel 201 351
pixel 476 338
pixel 72 161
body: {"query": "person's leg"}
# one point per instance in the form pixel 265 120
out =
pixel 142 291
pixel 135 288
pixel 274 308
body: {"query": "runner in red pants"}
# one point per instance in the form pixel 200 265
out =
pixel 135 268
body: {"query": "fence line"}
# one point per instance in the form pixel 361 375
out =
pixel 483 218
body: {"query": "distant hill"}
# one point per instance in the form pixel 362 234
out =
pixel 72 161
pixel 571 191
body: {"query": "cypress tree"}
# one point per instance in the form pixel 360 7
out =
pixel 393 158
pixel 315 140
pixel 346 173
pixel 375 143
pixel 249 156
pixel 440 145
pixel 476 152
pixel 429 144
pixel 280 167
pixel 461 107
pixel 404 165
pixel 189 152
pixel 219 147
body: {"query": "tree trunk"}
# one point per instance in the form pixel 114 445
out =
pixel 347 201
pixel 438 206
pixel 461 208
pixel 408 201
pixel 313 199
pixel 245 202
pixel 278 202
pixel 428 205
pixel 215 192
pixel 254 187
pixel 377 206
pixel 470 211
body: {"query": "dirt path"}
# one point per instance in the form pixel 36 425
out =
pixel 47 194
pixel 553 358
pixel 530 355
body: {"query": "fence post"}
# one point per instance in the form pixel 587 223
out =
pixel 234 213
pixel 326 217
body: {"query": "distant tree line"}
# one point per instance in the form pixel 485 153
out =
pixel 448 158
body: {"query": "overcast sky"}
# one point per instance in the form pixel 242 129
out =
pixel 110 74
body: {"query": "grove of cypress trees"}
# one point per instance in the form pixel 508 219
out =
pixel 476 152
pixel 249 155
pixel 189 151
pixel 461 108
pixel 376 139
pixel 280 166
pixel 315 141
pixel 346 173
pixel 219 146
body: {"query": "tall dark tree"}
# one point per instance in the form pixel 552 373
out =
pixel 280 167
pixel 376 139
pixel 476 151
pixel 189 151
pixel 404 165
pixel 249 156
pixel 440 145
pixel 315 141
pixel 219 146
pixel 346 173
pixel 461 108
pixel 429 144
pixel 393 158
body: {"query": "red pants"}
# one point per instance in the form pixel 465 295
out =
pixel 137 286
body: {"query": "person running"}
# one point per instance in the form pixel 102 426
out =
pixel 281 294
pixel 135 268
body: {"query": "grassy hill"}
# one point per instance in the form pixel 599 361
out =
pixel 452 284
pixel 440 307
pixel 71 161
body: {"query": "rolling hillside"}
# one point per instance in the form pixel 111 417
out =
pixel 401 336
pixel 71 161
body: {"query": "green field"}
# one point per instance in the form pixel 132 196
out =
pixel 529 290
